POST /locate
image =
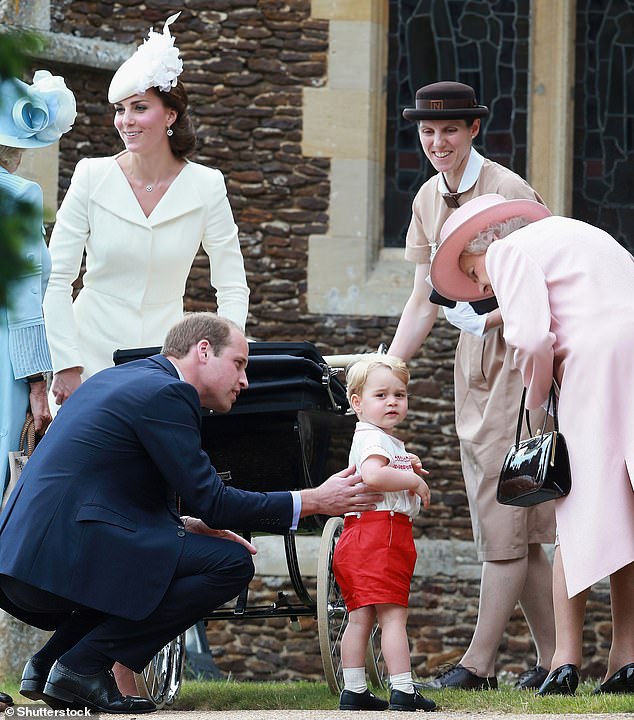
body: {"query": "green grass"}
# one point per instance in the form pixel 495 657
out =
pixel 231 695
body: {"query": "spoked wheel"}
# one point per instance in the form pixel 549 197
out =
pixel 374 661
pixel 332 616
pixel 162 677
pixel 177 669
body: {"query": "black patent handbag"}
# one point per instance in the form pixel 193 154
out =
pixel 536 469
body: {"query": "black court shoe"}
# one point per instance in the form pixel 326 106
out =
pixel 6 699
pixel 621 682
pixel 561 681
pixel 361 701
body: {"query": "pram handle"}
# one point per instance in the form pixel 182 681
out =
pixel 341 362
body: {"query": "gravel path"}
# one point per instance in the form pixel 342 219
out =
pixel 339 715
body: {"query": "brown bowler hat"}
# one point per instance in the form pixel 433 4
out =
pixel 444 100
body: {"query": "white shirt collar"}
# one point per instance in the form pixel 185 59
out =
pixel 180 374
pixel 469 176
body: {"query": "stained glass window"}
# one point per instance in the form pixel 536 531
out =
pixel 482 43
pixel 603 185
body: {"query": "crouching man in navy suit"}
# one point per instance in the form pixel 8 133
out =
pixel 91 543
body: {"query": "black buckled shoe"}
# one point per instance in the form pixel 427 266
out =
pixel 458 677
pixel 561 681
pixel 366 700
pixel 32 684
pixel 621 682
pixel 532 678
pixel 97 692
pixel 410 702
pixel 6 700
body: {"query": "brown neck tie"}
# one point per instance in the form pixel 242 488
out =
pixel 451 199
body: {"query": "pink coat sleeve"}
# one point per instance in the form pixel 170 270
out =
pixel 520 287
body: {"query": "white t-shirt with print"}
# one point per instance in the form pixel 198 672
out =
pixel 370 440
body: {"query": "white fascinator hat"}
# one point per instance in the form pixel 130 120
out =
pixel 36 115
pixel 156 63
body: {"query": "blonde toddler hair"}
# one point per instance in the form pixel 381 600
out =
pixel 357 373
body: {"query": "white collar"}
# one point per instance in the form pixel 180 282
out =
pixel 469 176
pixel 178 370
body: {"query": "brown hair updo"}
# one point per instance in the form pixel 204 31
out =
pixel 183 141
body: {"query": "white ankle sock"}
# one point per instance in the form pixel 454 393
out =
pixel 354 679
pixel 402 682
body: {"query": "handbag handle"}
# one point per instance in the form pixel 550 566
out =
pixel 27 435
pixel 552 400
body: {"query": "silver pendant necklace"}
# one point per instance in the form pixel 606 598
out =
pixel 149 188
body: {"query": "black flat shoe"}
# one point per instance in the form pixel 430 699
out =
pixel 97 692
pixel 6 699
pixel 532 678
pixel 561 681
pixel 361 701
pixel 32 684
pixel 461 678
pixel 621 682
pixel 410 702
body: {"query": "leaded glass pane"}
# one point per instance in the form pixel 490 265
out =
pixel 603 187
pixel 484 44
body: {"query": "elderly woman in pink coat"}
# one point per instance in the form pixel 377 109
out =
pixel 566 294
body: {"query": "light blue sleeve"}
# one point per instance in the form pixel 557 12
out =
pixel 28 349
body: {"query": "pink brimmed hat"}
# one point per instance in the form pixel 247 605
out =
pixel 461 227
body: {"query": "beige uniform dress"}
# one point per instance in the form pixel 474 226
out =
pixel 487 385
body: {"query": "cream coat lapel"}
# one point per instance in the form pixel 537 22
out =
pixel 117 197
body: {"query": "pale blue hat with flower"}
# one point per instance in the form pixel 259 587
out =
pixel 36 115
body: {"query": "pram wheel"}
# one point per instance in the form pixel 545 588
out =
pixel 332 616
pixel 162 677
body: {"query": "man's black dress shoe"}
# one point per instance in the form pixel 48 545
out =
pixel 410 702
pixel 621 682
pixel 532 678
pixel 6 699
pixel 460 678
pixel 32 684
pixel 561 681
pixel 361 701
pixel 97 692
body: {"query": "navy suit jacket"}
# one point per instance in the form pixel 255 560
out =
pixel 93 517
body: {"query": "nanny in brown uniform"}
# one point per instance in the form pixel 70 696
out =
pixel 487 391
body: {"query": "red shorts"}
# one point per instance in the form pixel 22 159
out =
pixel 374 559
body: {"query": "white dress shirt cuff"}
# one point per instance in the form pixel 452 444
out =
pixel 297 508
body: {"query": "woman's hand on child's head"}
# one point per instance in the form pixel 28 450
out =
pixel 417 465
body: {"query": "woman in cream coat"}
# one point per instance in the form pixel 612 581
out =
pixel 565 290
pixel 141 217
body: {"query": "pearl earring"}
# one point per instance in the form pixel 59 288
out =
pixel 170 132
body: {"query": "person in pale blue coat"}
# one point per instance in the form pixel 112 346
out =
pixel 31 116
